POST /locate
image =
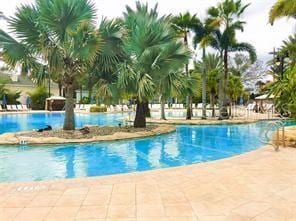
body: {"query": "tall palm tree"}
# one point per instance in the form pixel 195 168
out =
pixel 212 63
pixel 204 35
pixel 183 24
pixel 153 52
pixel 225 17
pixel 61 33
pixel 282 8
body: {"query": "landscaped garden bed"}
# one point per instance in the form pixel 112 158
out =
pixel 83 135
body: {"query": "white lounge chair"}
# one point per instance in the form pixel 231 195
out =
pixel 24 107
pixel 181 106
pixel 19 107
pixel 174 106
pixel 166 106
pixel 9 107
pixel 77 107
pixel 125 107
pixel 199 106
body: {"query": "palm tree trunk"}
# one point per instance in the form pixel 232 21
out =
pixel 69 122
pixel 212 98
pixel 147 109
pixel 222 95
pixel 140 119
pixel 60 88
pixel 188 98
pixel 204 86
pixel 162 111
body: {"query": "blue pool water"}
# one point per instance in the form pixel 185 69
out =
pixel 188 145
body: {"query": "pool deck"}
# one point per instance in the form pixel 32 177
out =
pixel 259 185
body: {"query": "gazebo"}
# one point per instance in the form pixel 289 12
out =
pixel 55 103
pixel 264 102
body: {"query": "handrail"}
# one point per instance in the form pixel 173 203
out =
pixel 278 126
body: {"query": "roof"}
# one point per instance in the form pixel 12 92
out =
pixel 264 97
pixel 56 98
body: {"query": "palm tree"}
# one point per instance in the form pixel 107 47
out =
pixel 183 24
pixel 204 35
pixel 212 63
pixel 153 53
pixel 61 33
pixel 235 90
pixel 282 8
pixel 225 17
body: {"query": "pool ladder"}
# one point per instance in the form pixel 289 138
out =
pixel 274 126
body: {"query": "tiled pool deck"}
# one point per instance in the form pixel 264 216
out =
pixel 260 185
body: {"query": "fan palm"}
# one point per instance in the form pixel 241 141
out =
pixel 282 8
pixel 153 53
pixel 225 17
pixel 59 33
pixel 183 24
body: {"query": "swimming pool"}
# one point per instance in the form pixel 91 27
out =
pixel 188 145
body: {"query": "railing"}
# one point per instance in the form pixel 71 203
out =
pixel 271 128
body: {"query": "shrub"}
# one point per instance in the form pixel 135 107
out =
pixel 38 98
pixel 85 100
pixel 12 97
pixel 94 109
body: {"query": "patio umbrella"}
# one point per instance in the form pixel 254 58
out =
pixel 28 101
pixel 4 101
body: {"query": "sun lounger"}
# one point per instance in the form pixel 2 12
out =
pixel 19 107
pixel 174 106
pixel 82 107
pixel 181 106
pixel 77 107
pixel 250 107
pixel 166 106
pixel 199 106
pixel 24 108
pixel 13 107
pixel 8 107
pixel 125 107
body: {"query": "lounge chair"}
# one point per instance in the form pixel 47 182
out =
pixel 181 106
pixel 9 107
pixel 199 106
pixel 166 106
pixel 174 106
pixel 125 107
pixel 77 107
pixel 19 107
pixel 24 108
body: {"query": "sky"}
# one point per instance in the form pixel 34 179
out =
pixel 257 30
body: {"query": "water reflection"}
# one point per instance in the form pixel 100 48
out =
pixel 190 144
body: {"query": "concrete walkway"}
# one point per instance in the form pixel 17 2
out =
pixel 260 185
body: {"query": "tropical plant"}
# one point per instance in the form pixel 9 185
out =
pixel 284 91
pixel 153 52
pixel 38 98
pixel 225 17
pixel 58 33
pixel 282 8
pixel 204 35
pixel 214 67
pixel 183 24
pixel 235 90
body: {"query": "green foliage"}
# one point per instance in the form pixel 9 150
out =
pixel 5 79
pixel 11 96
pixel 284 90
pixel 282 8
pixel 38 98
pixel 85 100
pixel 153 52
pixel 98 109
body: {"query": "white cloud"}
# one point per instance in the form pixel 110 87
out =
pixel 257 30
